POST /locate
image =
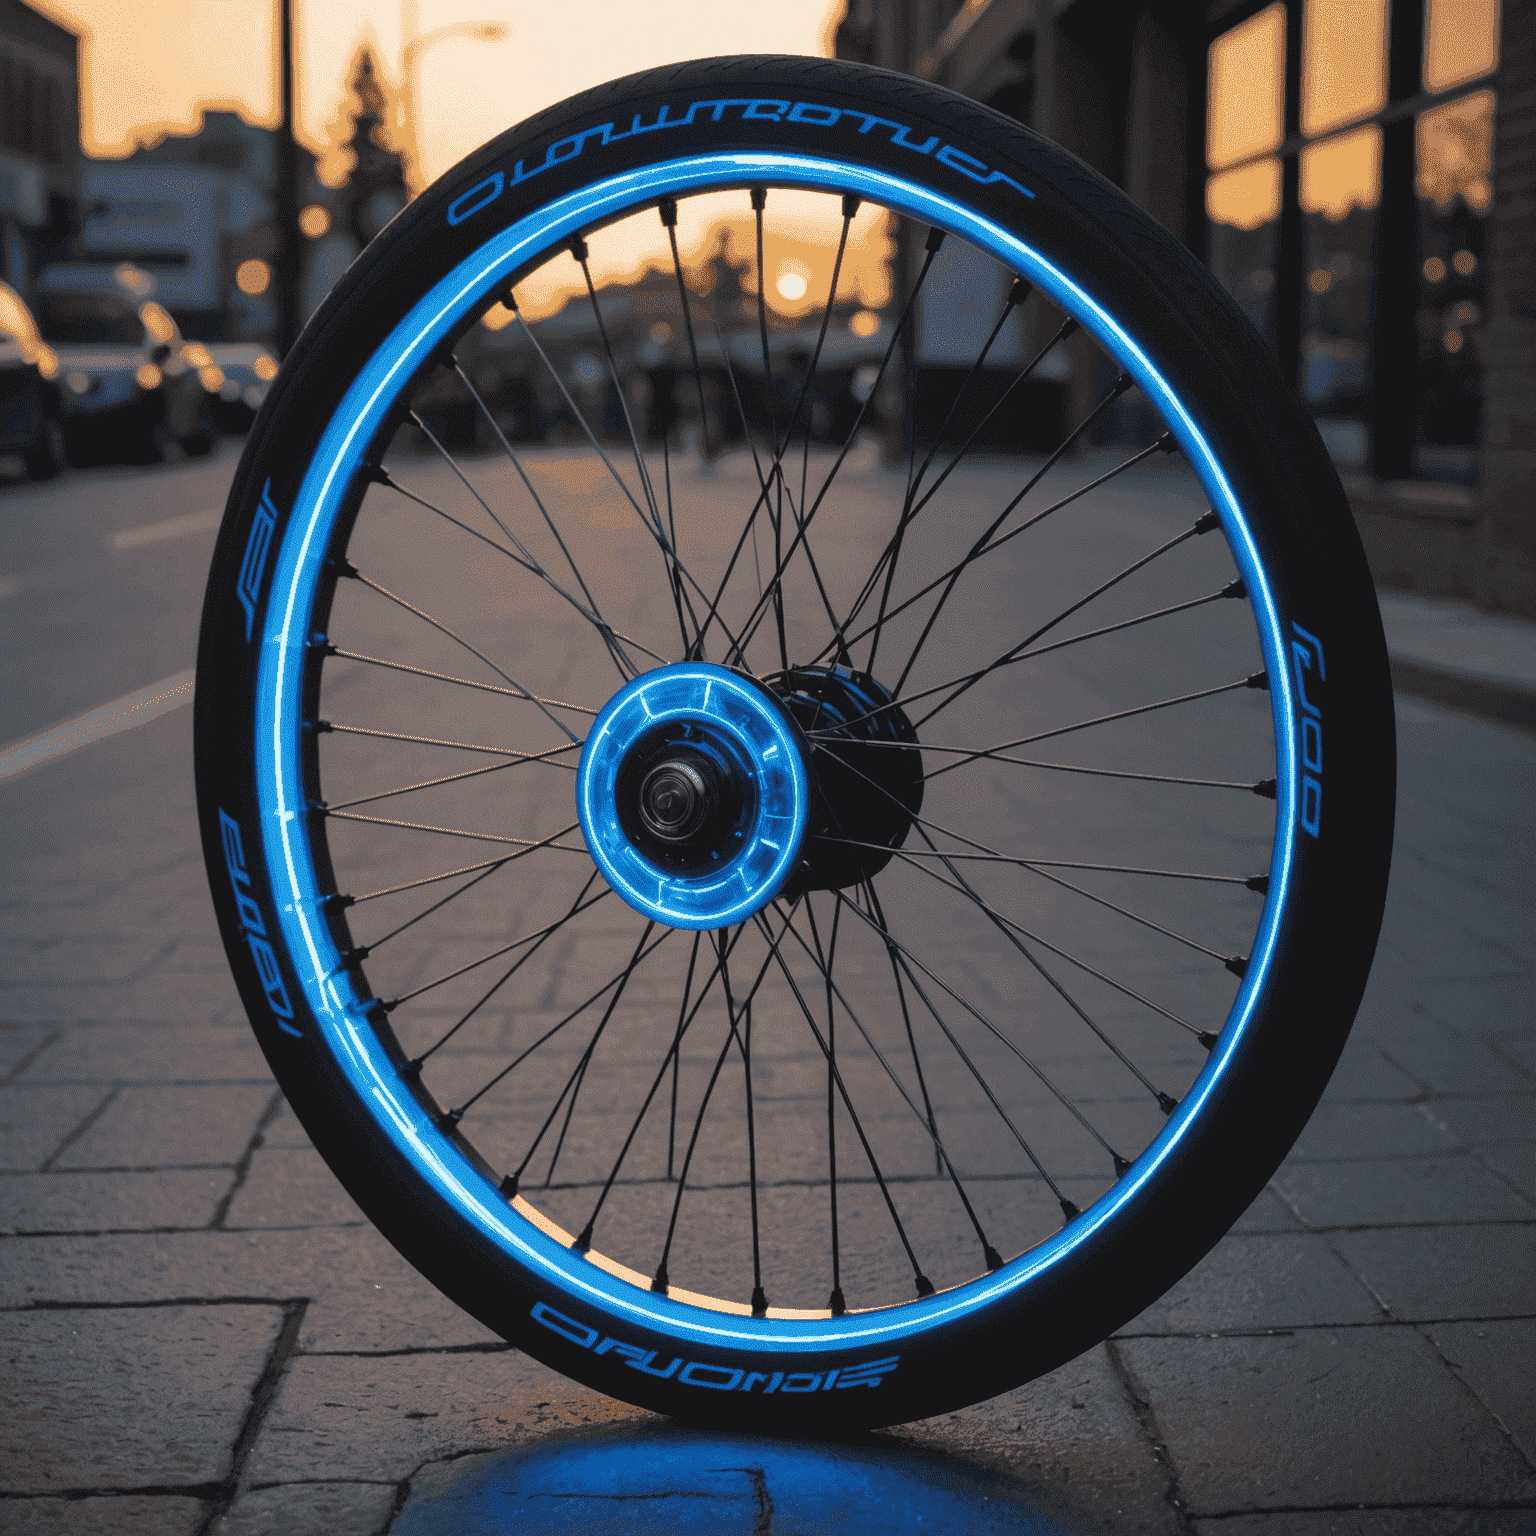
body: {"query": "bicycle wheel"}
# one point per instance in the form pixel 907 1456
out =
pixel 773 935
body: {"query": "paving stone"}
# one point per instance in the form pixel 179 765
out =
pixel 1498 1362
pixel 1370 1130
pixel 127 1514
pixel 1450 1065
pixel 1517 1162
pixel 1251 1282
pixel 1070 1435
pixel 309 1509
pixel 1410 1189
pixel 1376 1522
pixel 1446 1272
pixel 110 1202
pixel 21 1045
pixel 35 1120
pixel 363 1295
pixel 151 1051
pixel 1520 1050
pixel 1268 1213
pixel 1489 1119
pixel 1363 1072
pixel 291 1187
pixel 662 1481
pixel 113 1397
pixel 284 1129
pixel 370 1419
pixel 146 1127
pixel 1321 1418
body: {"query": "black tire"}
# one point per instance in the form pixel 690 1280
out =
pixel 278 872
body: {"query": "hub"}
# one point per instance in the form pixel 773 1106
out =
pixel 868 772
pixel 694 795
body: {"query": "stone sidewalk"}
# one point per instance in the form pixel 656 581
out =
pixel 202 1335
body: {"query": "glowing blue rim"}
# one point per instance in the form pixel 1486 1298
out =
pixel 696 691
pixel 327 986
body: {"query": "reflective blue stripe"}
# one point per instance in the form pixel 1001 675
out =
pixel 280 780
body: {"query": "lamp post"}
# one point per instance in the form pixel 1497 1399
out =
pixel 412 44
pixel 285 199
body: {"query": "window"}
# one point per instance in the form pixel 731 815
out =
pixel 1349 173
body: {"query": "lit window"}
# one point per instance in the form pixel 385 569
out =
pixel 1245 113
pixel 1342 173
pixel 1461 41
pixel 1465 263
pixel 1245 198
pixel 1434 269
pixel 1455 152
pixel 1321 280
pixel 1344 62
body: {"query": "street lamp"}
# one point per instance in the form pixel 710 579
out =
pixel 412 44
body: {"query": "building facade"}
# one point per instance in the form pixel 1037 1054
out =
pixel 39 142
pixel 1361 176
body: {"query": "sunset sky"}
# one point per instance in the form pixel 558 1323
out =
pixel 149 66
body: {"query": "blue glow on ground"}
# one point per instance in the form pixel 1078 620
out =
pixel 670 1482
pixel 723 700
pixel 328 986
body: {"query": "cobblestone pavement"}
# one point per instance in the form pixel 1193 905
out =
pixel 201 1333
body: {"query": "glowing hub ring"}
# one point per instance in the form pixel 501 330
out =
pixel 748 718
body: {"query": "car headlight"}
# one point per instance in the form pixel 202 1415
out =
pixel 148 376
pixel 212 377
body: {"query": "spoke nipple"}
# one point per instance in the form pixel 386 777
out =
pixel 1069 327
pixel 509 299
pixel 578 248
pixel 321 640
pixel 1121 1166
pixel 411 1071
pixel 1207 1039
pixel 340 567
pixel 1021 290
pixel 1259 680
pixel 352 956
pixel 667 208
pixel 376 474
pixel 509 1186
pixel 1235 589
pixel 1208 524
pixel 935 240
pixel 317 727
pixel 1168 443
pixel 337 900
pixel 759 196
pixel 1259 883
pixel 1123 383
pixel 450 1121
pixel 759 1302
pixel 584 1242
pixel 851 201
pixel 835 1303
pixel 1070 1211
pixel 659 1282
pixel 1166 1104
pixel 924 1285
pixel 322 806
pixel 1267 788
pixel 1238 965
pixel 992 1256
pixel 390 1006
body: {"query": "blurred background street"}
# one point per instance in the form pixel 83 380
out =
pixel 200 1331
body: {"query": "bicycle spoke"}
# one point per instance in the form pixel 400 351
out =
pixel 744 1044
pixel 445 677
pixel 528 938
pixel 836 1301
pixel 527 844
pixel 759 198
pixel 452 778
pixel 1031 863
pixel 537 938
pixel 351 570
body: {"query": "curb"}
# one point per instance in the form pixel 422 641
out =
pixel 1491 698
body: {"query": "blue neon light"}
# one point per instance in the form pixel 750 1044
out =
pixel 328 986
pixel 724 702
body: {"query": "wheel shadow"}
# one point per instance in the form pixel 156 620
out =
pixel 667 1479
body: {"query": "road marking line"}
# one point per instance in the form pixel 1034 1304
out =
pixel 121 715
pixel 170 528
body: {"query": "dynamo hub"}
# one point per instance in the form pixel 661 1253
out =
pixel 704 793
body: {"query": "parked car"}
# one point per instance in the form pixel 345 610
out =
pixel 235 379
pixel 31 413
pixel 128 385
